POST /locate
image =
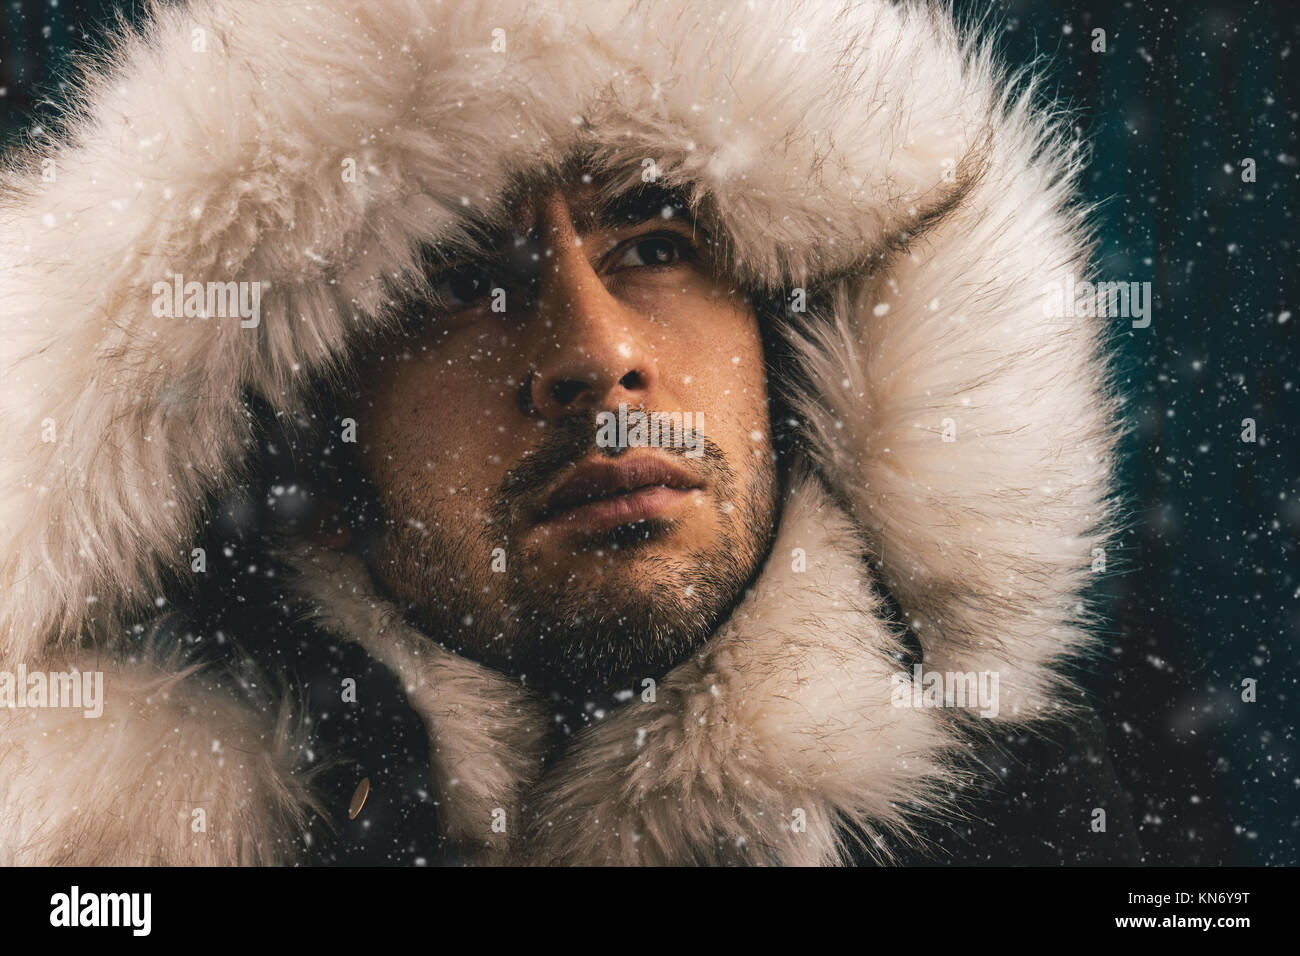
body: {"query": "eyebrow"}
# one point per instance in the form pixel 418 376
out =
pixel 643 203
pixel 637 205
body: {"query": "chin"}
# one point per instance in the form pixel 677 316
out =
pixel 614 571
pixel 669 537
pixel 636 556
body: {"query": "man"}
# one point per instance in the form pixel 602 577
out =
pixel 638 439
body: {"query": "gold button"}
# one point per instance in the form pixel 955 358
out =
pixel 359 798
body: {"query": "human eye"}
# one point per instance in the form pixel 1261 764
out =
pixel 653 249
pixel 461 287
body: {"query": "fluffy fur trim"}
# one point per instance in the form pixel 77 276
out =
pixel 485 731
pixel 174 772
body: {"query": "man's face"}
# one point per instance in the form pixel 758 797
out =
pixel 516 531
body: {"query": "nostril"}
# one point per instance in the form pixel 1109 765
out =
pixel 632 381
pixel 566 391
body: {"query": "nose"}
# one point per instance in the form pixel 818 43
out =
pixel 592 356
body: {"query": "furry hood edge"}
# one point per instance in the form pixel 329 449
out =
pixel 870 150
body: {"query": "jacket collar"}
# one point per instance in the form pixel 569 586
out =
pixel 758 749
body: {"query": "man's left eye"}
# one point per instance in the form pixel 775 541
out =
pixel 652 251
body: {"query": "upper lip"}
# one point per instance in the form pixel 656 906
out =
pixel 595 480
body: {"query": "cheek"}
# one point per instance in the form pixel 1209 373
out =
pixel 709 353
pixel 430 430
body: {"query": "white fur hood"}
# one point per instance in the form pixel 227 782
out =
pixel 962 442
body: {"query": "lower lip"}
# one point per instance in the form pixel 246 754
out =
pixel 643 504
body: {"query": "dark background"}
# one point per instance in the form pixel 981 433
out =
pixel 1206 585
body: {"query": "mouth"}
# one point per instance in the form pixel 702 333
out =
pixel 604 495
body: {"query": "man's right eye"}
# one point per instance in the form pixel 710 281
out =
pixel 461 287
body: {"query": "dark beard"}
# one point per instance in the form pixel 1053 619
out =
pixel 573 642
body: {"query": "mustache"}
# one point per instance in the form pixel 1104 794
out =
pixel 571 440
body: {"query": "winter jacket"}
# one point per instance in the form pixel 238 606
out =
pixel 952 490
